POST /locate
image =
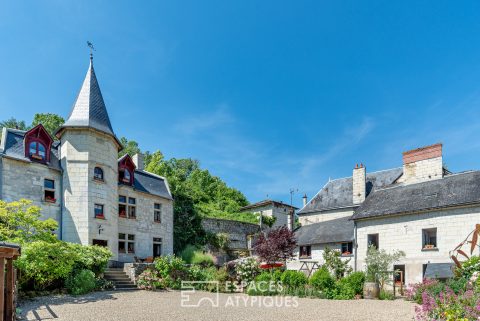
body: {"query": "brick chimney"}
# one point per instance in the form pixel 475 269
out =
pixel 138 160
pixel 423 164
pixel 359 184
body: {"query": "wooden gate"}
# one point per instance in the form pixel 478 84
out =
pixel 8 253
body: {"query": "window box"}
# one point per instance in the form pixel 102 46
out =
pixel 431 249
pixel 346 253
pixel 37 157
pixel 50 200
pixel 100 216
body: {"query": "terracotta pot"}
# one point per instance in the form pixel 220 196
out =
pixel 371 290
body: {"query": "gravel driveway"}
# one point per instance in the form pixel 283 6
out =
pixel 143 306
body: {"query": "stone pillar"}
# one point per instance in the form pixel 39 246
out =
pixel 359 184
pixel 305 200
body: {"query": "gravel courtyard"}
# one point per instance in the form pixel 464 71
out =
pixel 143 306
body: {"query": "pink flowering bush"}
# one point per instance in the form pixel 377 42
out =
pixel 150 280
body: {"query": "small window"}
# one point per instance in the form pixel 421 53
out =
pixel 132 210
pixel 132 201
pixel 125 176
pixel 37 151
pixel 99 211
pixel 122 199
pixel 98 174
pixel 126 243
pixel 429 239
pixel 372 239
pixel 305 252
pixel 102 243
pixel 157 213
pixel 347 248
pixel 122 206
pixel 49 190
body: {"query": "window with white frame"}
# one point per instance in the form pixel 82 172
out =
pixel 429 237
pixel 49 190
pixel 132 208
pixel 126 243
pixel 157 213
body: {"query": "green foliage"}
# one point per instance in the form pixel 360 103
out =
pixel 12 123
pixel 468 267
pixel 335 264
pixel 386 295
pixel 81 282
pixel 46 264
pixel 20 223
pixel 294 279
pixel 94 258
pixel 378 264
pixel 51 122
pixel 219 241
pixel 267 220
pixel 194 255
pixel 172 270
pixel 322 280
pixel 355 281
pixel 130 147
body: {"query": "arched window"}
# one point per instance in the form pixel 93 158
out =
pixel 98 173
pixel 126 170
pixel 37 150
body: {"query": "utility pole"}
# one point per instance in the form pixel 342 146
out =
pixel 291 215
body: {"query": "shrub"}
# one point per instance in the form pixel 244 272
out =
pixel 355 281
pixel 102 284
pixel 378 263
pixel 203 259
pixel 335 264
pixel 415 291
pixel 91 257
pixel 343 290
pixel 322 280
pixel 247 269
pixel 294 279
pixel 172 270
pixel 81 282
pixel 45 264
pixel 149 280
pixel 386 295
pixel 468 267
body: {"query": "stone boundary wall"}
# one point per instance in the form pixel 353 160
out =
pixel 237 231
pixel 133 270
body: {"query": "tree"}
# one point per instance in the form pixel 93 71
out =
pixel 130 147
pixel 277 245
pixel 20 223
pixel 12 123
pixel 379 263
pixel 335 264
pixel 51 122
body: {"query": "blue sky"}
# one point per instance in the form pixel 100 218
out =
pixel 268 95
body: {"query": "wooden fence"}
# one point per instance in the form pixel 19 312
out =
pixel 8 253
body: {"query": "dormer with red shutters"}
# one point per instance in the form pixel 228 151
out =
pixel 38 143
pixel 126 169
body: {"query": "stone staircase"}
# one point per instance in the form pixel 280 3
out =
pixel 120 278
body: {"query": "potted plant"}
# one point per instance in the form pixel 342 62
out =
pixel 377 273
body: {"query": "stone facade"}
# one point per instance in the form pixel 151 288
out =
pixel 323 216
pixel 404 232
pixel 283 213
pixel 422 164
pixel 317 255
pixel 87 179
pixel 238 232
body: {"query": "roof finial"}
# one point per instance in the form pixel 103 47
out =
pixel 92 49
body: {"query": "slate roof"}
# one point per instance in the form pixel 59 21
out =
pixel 338 193
pixel 439 271
pixel 337 230
pixel 451 190
pixel 265 203
pixel 89 109
pixel 151 183
pixel 14 148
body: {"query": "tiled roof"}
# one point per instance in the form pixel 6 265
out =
pixel 15 148
pixel 338 193
pixel 452 190
pixel 337 230
pixel 89 109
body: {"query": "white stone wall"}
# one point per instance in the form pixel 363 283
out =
pixel 279 212
pixel 405 233
pixel 22 179
pixel 317 217
pixel 423 170
pixel 143 227
pixel 317 255
pixel 81 151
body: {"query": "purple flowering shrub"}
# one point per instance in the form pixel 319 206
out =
pixel 446 305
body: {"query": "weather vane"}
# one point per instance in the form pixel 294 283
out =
pixel 92 49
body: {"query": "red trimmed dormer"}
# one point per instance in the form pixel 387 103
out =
pixel 38 143
pixel 126 169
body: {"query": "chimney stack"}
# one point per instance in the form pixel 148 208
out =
pixel 138 160
pixel 305 200
pixel 423 164
pixel 359 184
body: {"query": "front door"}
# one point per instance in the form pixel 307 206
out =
pixel 157 249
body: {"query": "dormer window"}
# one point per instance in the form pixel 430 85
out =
pixel 37 144
pixel 126 169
